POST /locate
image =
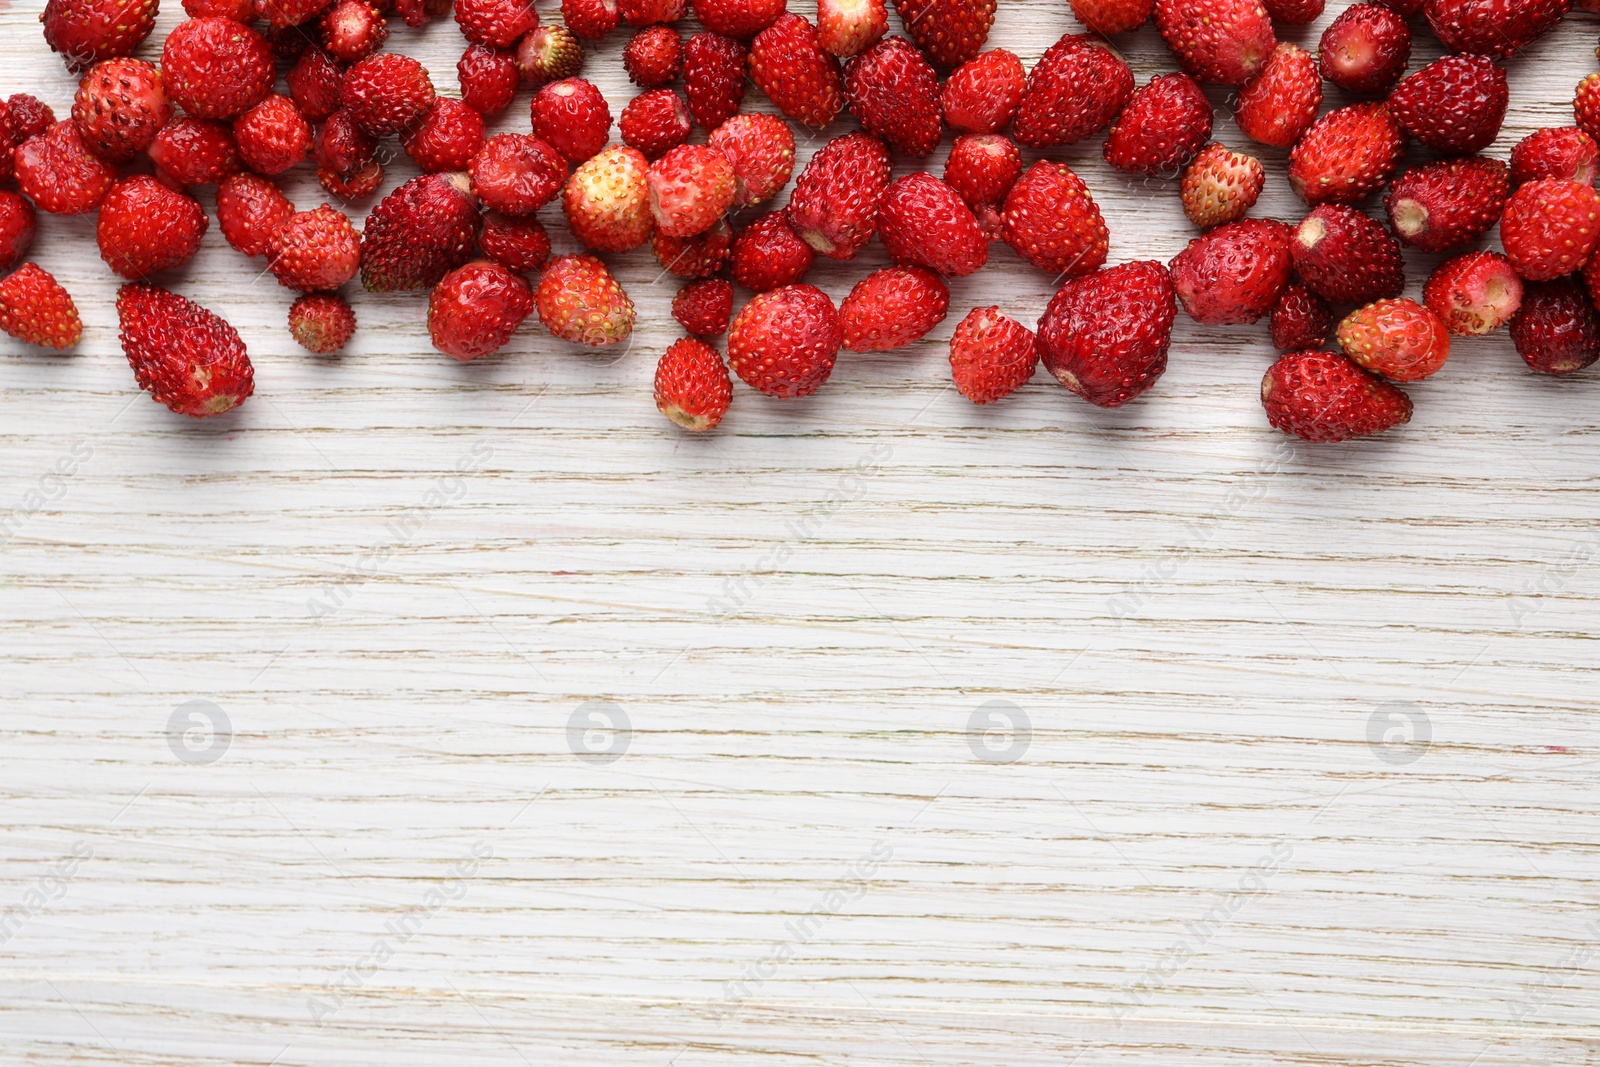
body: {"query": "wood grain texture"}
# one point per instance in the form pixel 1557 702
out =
pixel 401 579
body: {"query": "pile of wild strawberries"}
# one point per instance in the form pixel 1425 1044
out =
pixel 467 228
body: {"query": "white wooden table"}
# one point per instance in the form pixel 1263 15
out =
pixel 802 846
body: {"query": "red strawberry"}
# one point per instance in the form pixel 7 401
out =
pixel 892 308
pixel 1455 104
pixel 1112 16
pixel 1474 294
pixel 418 13
pixel 1399 339
pixel 590 19
pixel 991 355
pixel 1226 41
pixel 580 301
pixel 282 14
pixel 88 31
pixel 1281 103
pixel 189 151
pixel 761 150
pixel 1235 273
pixel 1300 319
pixel 488 77
pixel 703 307
pixel 181 354
pixel 1492 27
pixel 984 92
pixel 638 13
pixel 738 18
pixel 950 31
pixel 342 146
pixel 145 228
pixel 652 56
pixel 607 200
pixel 30 116
pixel 447 138
pixel 352 30
pixel 572 115
pixel 496 23
pixel 1448 202
pixel 273 136
pixel 59 174
pixel 1105 336
pixel 418 233
pixel 1550 228
pixel 216 68
pixel 520 244
pixel 834 206
pixel 549 54
pixel 35 309
pixel 1366 49
pixel 713 78
pixel 894 91
pixel 517 174
pixel 1346 257
pixel 120 107
pixel 1557 330
pixel 692 386
pixel 315 251
pixel 1078 86
pixel 475 309
pixel 1586 105
pixel 18 223
pixel 315 82
pixel 322 323
pixel 784 341
pixel 847 28
pixel 1406 9
pixel 923 221
pixel 802 80
pixel 1300 12
pixel 387 93
pixel 655 122
pixel 360 184
pixel 982 168
pixel 1564 152
pixel 1220 186
pixel 249 211
pixel 1346 155
pixel 1322 396
pixel 1163 127
pixel 699 256
pixel 1052 222
pixel 237 10
pixel 768 254
pixel 691 187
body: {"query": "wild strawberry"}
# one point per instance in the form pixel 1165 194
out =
pixel 1220 186
pixel 315 82
pixel 475 309
pixel 643 13
pixel 1105 335
pixel 654 122
pixel 894 91
pixel 1226 41
pixel 1399 339
pixel 1322 396
pixel 1493 28
pixel 342 146
pixel 1365 49
pixel 418 233
pixel 29 116
pixel 59 174
pixel 1075 90
pixel 1550 228
pixel 800 79
pixel 652 56
pixel 216 68
pixel 607 200
pixel 892 308
pixel 1454 105
pixel 1164 126
pixel 984 92
pixel 950 31
pixel 519 244
pixel 35 309
pixel 699 256
pixel 1302 12
pixel 1280 104
pixel 249 211
pixel 1557 330
pixel 738 18
pixel 288 43
pixel 517 174
pixel 1052 222
pixel 18 223
pixel 282 14
pixel 181 354
pixel 590 19
pixel 418 13
pixel 1107 17
pixel 691 187
pixel 86 32
pixel 145 228
pixel 1586 105
pixel 1346 155
pixel 1564 152
pixel 360 184
pixel 321 323
pixel 120 107
pixel 189 151
pixel 783 342
pixel 923 221
pixel 1406 9
pixel 1300 319
pixel 572 116
pixel 704 306
pixel 580 301
pixel 982 168
pixel 1448 202
pixel 713 78
pixel 314 251
pixel 692 386
pixel 834 206
pixel 447 138
pixel 991 355
pixel 768 254
pixel 1474 294
pixel 387 93
pixel 488 78
pixel 760 149
pixel 1235 273
pixel 352 30
pixel 273 136
pixel 496 23
pixel 1346 257
pixel 847 28
pixel 549 54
